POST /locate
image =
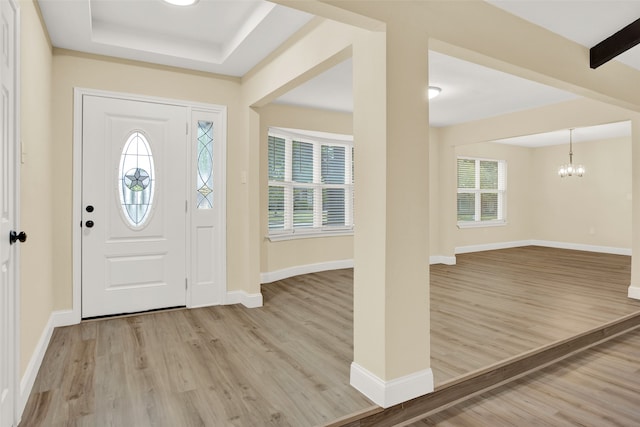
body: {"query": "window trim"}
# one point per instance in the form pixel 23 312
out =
pixel 502 194
pixel 317 139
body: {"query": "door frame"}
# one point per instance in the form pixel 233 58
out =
pixel 193 299
pixel 13 352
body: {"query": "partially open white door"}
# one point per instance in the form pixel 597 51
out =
pixel 134 219
pixel 8 212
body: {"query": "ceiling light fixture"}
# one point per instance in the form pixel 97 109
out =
pixel 434 91
pixel 570 169
pixel 181 2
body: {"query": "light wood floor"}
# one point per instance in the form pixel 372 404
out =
pixel 600 387
pixel 287 363
pixel 493 305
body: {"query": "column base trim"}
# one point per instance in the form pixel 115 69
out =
pixel 393 392
pixel 442 259
pixel 244 298
pixel 634 292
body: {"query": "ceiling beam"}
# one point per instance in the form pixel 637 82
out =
pixel 614 45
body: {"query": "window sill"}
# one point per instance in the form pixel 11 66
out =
pixel 309 234
pixel 481 224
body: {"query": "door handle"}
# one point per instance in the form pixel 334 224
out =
pixel 14 237
pixel 89 224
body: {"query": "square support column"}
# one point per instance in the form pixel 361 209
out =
pixel 391 245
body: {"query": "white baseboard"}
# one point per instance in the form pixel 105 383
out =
pixel 582 247
pixel 634 292
pixel 65 318
pixel 389 393
pixel 546 243
pixel 273 276
pixel 441 259
pixel 241 297
pixel 56 319
pixel 491 246
pixel 30 374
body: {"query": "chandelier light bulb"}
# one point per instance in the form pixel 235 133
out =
pixel 569 169
pixel 181 2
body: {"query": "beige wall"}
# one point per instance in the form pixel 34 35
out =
pixel 291 253
pixel 592 210
pixel 571 114
pixel 37 185
pixel 85 71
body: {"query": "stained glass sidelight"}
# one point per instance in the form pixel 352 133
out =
pixel 204 173
pixel 136 179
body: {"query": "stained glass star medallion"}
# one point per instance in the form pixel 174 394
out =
pixel 136 179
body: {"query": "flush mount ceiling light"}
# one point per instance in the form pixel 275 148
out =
pixel 181 2
pixel 570 169
pixel 434 91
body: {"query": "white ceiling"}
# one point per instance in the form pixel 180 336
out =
pixel 220 36
pixel 230 37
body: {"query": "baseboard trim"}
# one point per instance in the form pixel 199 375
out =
pixel 389 393
pixel 442 259
pixel 65 318
pixel 634 292
pixel 244 298
pixel 30 374
pixel 491 246
pixel 582 247
pixel 545 243
pixel 273 276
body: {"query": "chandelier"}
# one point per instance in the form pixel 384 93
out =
pixel 569 169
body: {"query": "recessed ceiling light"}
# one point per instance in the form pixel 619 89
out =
pixel 434 91
pixel 181 2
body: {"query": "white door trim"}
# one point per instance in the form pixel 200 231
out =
pixel 75 314
pixel 14 359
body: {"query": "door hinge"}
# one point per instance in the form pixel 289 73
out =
pixel 186 287
pixel 186 128
pixel 186 206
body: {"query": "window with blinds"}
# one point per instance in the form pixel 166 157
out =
pixel 481 191
pixel 310 184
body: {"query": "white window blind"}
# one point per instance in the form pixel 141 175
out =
pixel 310 184
pixel 481 191
pixel 277 173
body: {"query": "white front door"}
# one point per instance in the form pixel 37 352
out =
pixel 8 212
pixel 134 221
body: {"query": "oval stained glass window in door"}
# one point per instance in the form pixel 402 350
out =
pixel 136 180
